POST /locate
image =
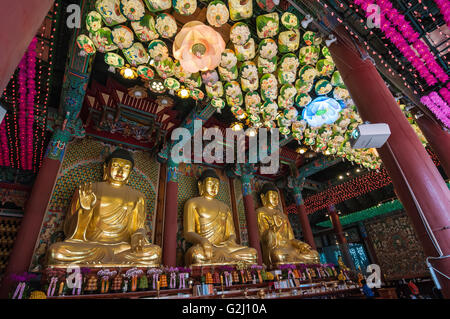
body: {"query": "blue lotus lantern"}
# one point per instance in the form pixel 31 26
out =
pixel 322 110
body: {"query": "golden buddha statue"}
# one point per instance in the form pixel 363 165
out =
pixel 278 243
pixel 105 223
pixel 208 224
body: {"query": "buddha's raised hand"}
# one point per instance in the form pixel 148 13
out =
pixel 87 196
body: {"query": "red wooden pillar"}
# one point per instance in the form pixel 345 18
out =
pixel 250 214
pixel 404 157
pixel 35 208
pixel 19 23
pixel 303 216
pixel 169 247
pixel 340 237
pixel 438 139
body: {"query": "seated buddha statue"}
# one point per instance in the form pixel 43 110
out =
pixel 208 224
pixel 278 243
pixel 105 223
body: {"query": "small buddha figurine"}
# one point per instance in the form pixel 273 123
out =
pixel 277 238
pixel 105 223
pixel 341 264
pixel 208 224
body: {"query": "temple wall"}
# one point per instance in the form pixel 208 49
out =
pixel 396 246
pixel 83 162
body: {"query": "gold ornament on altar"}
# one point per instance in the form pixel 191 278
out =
pixel 277 238
pixel 105 224
pixel 198 47
pixel 208 224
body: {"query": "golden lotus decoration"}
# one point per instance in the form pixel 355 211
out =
pixel 198 47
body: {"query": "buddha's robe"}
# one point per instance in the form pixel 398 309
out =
pixel 212 219
pixel 103 235
pixel 278 242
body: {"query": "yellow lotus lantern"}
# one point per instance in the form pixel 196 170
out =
pixel 198 47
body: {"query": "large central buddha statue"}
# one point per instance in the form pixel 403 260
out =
pixel 105 224
pixel 277 238
pixel 208 224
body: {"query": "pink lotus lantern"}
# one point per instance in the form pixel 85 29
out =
pixel 198 47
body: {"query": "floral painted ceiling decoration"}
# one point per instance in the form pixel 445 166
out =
pixel 271 74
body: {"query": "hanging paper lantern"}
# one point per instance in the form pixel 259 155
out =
pixel 136 54
pixel 240 9
pixel 249 84
pixel 217 13
pixel 267 25
pixel 254 119
pixel 158 5
pixel 288 91
pixel 309 55
pixel 172 84
pixel 197 94
pixel 145 72
pixel 249 70
pixel 228 75
pixel 290 21
pixel 267 66
pixel 228 59
pixel 194 81
pixel 267 5
pixel 252 101
pixel 158 50
pixel 325 67
pixel 289 63
pixel 308 73
pixel 336 79
pixel 133 10
pixel 218 103
pixel 269 87
pixel 93 21
pixel 233 93
pixel 110 12
pixel 322 110
pixel 302 99
pixel 326 53
pixel 114 60
pixel 240 33
pixel 286 77
pixel 122 36
pixel 179 72
pixel 185 7
pixel 341 93
pixel 238 112
pixel 285 103
pixel 288 41
pixel 102 40
pixel 210 77
pixel 267 49
pixel 164 68
pixel 245 52
pixel 303 87
pixel 214 90
pixel 311 38
pixel 290 113
pixel 166 25
pixel 198 47
pixel 85 44
pixel 323 87
pixel 269 110
pixel 145 28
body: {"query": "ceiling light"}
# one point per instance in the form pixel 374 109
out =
pixel 341 177
pixel 236 126
pixel 128 72
pixel 348 173
pixel 251 132
pixel 183 93
pixel 301 150
pixel 358 170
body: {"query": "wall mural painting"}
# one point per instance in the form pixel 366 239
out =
pixel 396 246
pixel 83 162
